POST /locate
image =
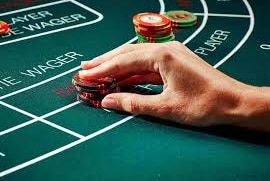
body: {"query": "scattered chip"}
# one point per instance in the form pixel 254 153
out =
pixel 4 28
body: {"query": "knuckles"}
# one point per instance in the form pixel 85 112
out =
pixel 130 105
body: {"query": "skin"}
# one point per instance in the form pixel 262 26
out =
pixel 194 92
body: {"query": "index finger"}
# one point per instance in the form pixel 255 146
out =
pixel 131 62
pixel 111 54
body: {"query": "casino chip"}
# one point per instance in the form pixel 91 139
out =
pixel 92 91
pixel 181 19
pixel 153 28
pixel 4 28
pixel 94 84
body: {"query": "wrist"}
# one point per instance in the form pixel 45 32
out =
pixel 253 111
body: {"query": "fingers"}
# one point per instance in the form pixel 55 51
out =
pixel 152 78
pixel 132 103
pixel 132 62
pixel 111 54
pixel 107 56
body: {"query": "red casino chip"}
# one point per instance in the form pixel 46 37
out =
pixel 4 28
pixel 90 102
pixel 152 20
pixel 97 91
pixel 154 33
pixel 102 83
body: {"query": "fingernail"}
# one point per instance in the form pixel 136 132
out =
pixel 109 103
pixel 81 72
pixel 83 62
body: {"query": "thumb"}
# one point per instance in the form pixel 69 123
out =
pixel 133 103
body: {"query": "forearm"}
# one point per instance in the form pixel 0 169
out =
pixel 254 109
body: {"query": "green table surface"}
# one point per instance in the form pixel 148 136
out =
pixel 45 134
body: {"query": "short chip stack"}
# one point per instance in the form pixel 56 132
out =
pixel 91 92
pixel 182 19
pixel 153 28
pixel 4 28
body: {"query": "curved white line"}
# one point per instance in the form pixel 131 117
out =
pixel 99 18
pixel 241 43
pixel 162 6
pixel 224 15
pixel 205 18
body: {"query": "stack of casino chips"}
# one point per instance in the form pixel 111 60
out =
pixel 4 28
pixel 181 19
pixel 92 91
pixel 153 28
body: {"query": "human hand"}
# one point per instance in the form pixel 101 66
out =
pixel 194 92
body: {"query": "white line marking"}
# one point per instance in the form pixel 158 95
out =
pixel 241 43
pixel 2 154
pixel 224 15
pixel 42 120
pixel 162 6
pixel 34 7
pixel 265 46
pixel 61 128
pixel 40 83
pixel 61 149
pixel 60 109
pixel 36 119
pixel 205 12
pixel 18 110
pixel 106 110
pixel 17 127
pixel 99 18
pixel 49 32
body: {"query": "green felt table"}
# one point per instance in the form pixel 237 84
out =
pixel 45 134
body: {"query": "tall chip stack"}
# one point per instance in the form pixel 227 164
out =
pixel 153 28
